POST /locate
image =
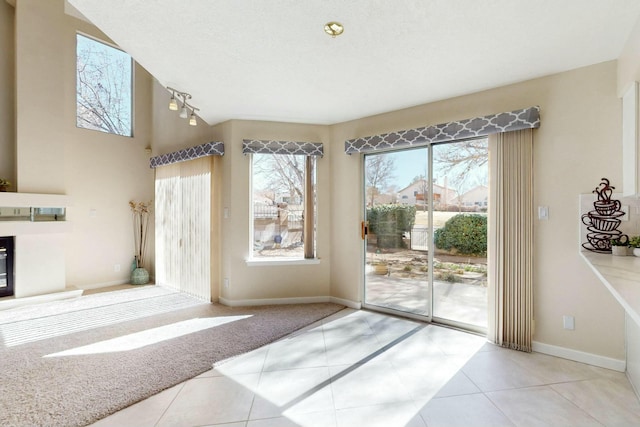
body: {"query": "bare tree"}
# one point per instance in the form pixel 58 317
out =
pixel 461 158
pixel 378 170
pixel 103 87
pixel 281 174
pixel 462 162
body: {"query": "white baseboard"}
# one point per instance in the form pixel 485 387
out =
pixel 580 356
pixel 152 280
pixel 103 284
pixel 347 303
pixel 278 301
pixel 271 301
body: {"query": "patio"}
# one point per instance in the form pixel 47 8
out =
pixel 460 284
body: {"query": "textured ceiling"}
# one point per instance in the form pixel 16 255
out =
pixel 271 60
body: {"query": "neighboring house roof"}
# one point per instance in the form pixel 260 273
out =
pixel 437 189
pixel 478 193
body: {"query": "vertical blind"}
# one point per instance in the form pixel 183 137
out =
pixel 183 227
pixel 511 240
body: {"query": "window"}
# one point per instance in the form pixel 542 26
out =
pixel 283 206
pixel 103 87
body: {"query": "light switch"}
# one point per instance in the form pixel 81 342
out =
pixel 543 213
pixel 568 322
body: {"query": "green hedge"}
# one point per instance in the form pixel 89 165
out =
pixel 390 222
pixel 467 234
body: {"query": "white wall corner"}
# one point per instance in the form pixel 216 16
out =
pixel 580 356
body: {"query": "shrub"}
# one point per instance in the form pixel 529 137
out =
pixel 448 276
pixel 390 222
pixel 467 234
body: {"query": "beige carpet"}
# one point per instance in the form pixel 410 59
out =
pixel 70 363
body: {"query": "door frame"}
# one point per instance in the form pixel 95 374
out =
pixel 430 318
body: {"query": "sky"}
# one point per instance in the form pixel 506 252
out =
pixel 413 162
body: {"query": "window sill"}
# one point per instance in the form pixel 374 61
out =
pixel 277 262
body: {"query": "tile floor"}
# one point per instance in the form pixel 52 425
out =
pixel 359 368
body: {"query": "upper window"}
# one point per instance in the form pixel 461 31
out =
pixel 283 184
pixel 103 87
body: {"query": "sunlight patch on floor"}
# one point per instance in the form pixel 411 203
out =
pixel 65 323
pixel 149 337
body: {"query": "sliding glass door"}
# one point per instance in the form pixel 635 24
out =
pixel 397 220
pixel 426 240
pixel 460 207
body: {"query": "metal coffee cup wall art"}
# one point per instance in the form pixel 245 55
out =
pixel 603 221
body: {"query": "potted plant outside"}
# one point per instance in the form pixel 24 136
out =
pixel 620 246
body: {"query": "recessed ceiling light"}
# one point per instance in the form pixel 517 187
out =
pixel 333 28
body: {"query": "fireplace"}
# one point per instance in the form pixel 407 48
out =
pixel 6 266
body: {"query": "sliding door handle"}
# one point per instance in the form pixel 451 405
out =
pixel 364 229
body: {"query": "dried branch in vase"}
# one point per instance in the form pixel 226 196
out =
pixel 141 214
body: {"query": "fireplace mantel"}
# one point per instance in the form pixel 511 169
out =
pixel 27 200
pixel 36 200
pixel 39 245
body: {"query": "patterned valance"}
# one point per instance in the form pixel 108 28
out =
pixel 208 149
pixel 282 147
pixel 461 129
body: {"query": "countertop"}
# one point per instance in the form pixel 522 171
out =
pixel 621 275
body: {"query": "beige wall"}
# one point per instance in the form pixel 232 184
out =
pixel 578 143
pixel 629 61
pixel 170 132
pixel 101 172
pixel 7 91
pixel 255 282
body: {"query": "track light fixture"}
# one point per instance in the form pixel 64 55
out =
pixel 173 104
pixel 182 97
pixel 183 112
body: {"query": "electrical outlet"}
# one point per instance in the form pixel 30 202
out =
pixel 116 268
pixel 226 283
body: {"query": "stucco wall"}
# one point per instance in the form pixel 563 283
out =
pixel 578 142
